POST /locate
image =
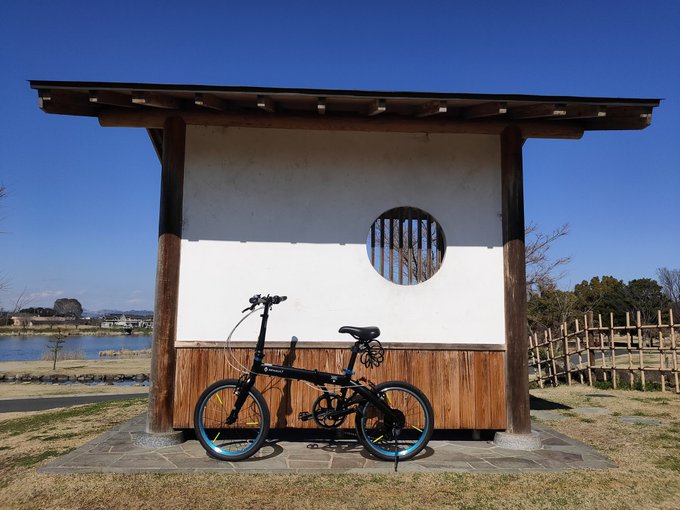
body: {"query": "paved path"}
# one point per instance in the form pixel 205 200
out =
pixel 114 451
pixel 21 405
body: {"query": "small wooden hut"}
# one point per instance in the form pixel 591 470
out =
pixel 397 209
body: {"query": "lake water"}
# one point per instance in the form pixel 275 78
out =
pixel 31 348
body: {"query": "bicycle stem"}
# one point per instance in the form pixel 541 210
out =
pixel 259 348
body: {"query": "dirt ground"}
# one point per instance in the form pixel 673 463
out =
pixel 648 476
pixel 77 367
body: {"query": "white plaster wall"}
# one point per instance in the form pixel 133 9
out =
pixel 288 212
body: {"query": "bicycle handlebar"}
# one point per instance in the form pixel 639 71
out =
pixel 265 300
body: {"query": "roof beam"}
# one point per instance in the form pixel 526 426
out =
pixel 431 108
pixel 640 114
pixel 149 118
pixel 377 107
pixel 538 111
pixel 210 101
pixel 266 103
pixel 321 105
pixel 47 97
pixel 155 100
pixel 109 98
pixel 65 102
pixel 485 110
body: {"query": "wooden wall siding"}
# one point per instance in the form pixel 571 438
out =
pixel 466 388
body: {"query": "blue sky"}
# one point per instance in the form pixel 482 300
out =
pixel 81 216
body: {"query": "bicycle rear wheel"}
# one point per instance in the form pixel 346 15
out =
pixel 376 430
pixel 238 440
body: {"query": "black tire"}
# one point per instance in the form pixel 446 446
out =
pixel 239 440
pixel 376 433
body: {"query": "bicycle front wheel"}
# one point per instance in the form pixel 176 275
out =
pixel 234 441
pixel 384 438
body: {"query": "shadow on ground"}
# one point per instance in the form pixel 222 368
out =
pixel 540 404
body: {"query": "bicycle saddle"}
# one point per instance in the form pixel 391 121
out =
pixel 366 334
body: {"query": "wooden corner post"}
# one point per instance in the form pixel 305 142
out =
pixel 514 270
pixel 161 392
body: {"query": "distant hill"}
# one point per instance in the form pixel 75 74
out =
pixel 105 312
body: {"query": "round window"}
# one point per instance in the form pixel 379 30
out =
pixel 406 245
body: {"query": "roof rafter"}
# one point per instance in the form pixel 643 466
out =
pixel 210 101
pixel 485 110
pixel 266 103
pixel 538 111
pixel 377 107
pixel 155 100
pixel 432 108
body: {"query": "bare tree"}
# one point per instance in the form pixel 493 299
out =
pixel 54 345
pixel 20 303
pixel 669 279
pixel 541 268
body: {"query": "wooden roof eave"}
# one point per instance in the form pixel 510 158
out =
pixel 148 105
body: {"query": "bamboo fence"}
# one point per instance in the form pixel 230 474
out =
pixel 590 351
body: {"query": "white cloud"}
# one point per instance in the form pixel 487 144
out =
pixel 44 294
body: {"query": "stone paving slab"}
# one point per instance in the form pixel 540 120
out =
pixel 114 452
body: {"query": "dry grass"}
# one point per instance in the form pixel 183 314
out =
pixel 648 476
pixel 76 367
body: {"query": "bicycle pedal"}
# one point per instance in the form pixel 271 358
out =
pixel 305 416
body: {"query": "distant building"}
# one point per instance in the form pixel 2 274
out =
pixel 30 321
pixel 122 321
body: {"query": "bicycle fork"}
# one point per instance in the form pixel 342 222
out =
pixel 241 392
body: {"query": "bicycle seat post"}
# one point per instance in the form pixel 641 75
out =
pixel 352 359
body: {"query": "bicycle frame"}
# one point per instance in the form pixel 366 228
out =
pixel 300 374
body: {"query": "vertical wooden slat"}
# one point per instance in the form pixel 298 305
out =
pixel 612 351
pixel 444 399
pixel 675 354
pixel 163 356
pixel 373 244
pixel 456 377
pixel 497 395
pixel 629 344
pixel 391 248
pixel 410 247
pixel 468 401
pixel 638 323
pixel 662 354
pixel 537 355
pixel 587 346
pixel 482 390
pixel 401 246
pixel 382 246
pixel 440 249
pixel 551 349
pixel 429 248
pixel 565 347
pixel 419 267
pixel 579 352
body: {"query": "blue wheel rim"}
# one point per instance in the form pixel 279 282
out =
pixel 211 443
pixel 413 447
